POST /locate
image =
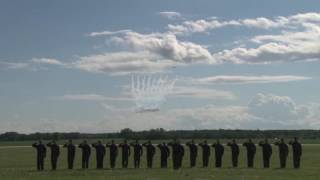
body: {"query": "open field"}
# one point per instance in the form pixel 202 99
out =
pixel 17 162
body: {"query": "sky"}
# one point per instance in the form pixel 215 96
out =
pixel 101 66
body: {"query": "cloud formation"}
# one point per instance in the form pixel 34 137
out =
pixel 170 15
pixel 225 79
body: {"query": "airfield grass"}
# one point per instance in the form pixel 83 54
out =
pixel 18 163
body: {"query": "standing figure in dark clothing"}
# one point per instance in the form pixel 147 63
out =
pixel 266 153
pixel 113 153
pixel 297 152
pixel 251 151
pixel 283 152
pixel 206 152
pixel 86 152
pixel 100 153
pixel 177 154
pixel 219 150
pixel 41 154
pixel 151 150
pixel 165 153
pixel 137 153
pixel 125 153
pixel 55 152
pixel 234 152
pixel 193 150
pixel 71 150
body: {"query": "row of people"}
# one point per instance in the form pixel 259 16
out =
pixel 177 153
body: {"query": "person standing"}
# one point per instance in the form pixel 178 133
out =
pixel 206 152
pixel 266 153
pixel 234 152
pixel 177 154
pixel 219 151
pixel 125 153
pixel 41 154
pixel 251 151
pixel 297 152
pixel 55 152
pixel 151 150
pixel 86 152
pixel 193 150
pixel 71 151
pixel 165 153
pixel 283 152
pixel 137 153
pixel 100 153
pixel 113 153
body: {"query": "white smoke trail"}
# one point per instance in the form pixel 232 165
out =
pixel 150 92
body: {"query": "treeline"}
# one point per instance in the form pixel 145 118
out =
pixel 157 134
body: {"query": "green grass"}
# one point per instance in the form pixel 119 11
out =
pixel 18 163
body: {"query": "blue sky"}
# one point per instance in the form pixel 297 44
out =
pixel 68 65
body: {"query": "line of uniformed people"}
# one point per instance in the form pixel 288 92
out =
pixel 177 151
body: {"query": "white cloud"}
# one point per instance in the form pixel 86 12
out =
pixel 122 63
pixel 92 97
pixel 46 61
pixel 203 25
pixel 167 46
pixel 108 33
pixel 200 92
pixel 170 14
pixel 281 112
pixel 226 79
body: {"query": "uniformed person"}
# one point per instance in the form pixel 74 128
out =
pixel 193 151
pixel 86 152
pixel 151 150
pixel 137 153
pixel 206 152
pixel 219 151
pixel 251 151
pixel 266 152
pixel 100 153
pixel 113 153
pixel 283 152
pixel 165 153
pixel 55 152
pixel 71 151
pixel 234 152
pixel 41 154
pixel 177 153
pixel 125 153
pixel 181 155
pixel 297 152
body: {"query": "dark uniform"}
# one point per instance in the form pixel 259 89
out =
pixel 266 153
pixel 177 154
pixel 165 153
pixel 297 152
pixel 251 151
pixel 41 154
pixel 219 150
pixel 205 153
pixel 193 150
pixel 137 153
pixel 100 153
pixel 283 152
pixel 86 152
pixel 113 153
pixel 234 153
pixel 125 153
pixel 151 150
pixel 71 149
pixel 55 152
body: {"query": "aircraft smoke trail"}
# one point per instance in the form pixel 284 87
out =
pixel 150 92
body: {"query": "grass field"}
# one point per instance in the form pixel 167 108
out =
pixel 18 163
